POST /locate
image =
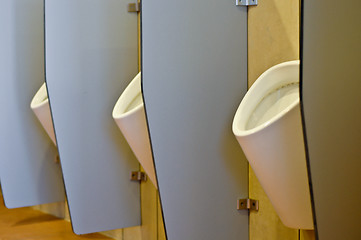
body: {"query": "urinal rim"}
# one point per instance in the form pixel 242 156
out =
pixel 127 91
pixel 239 122
pixel 40 95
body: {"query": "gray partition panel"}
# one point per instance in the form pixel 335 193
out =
pixel 91 56
pixel 194 69
pixel 28 172
pixel 331 99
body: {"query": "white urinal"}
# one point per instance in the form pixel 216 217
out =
pixel 129 115
pixel 41 108
pixel 268 127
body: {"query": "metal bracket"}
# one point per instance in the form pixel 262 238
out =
pixel 134 7
pixel 138 176
pixel 246 2
pixel 250 204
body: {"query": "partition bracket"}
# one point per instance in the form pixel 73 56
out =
pixel 134 7
pixel 138 176
pixel 246 2
pixel 247 204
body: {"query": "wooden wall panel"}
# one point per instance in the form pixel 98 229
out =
pixel 273 37
pixel 307 235
pixel 161 229
pixel 149 196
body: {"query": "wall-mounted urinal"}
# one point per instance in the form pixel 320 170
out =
pixel 268 127
pixel 41 108
pixel 129 115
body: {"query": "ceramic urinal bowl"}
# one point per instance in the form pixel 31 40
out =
pixel 129 115
pixel 268 127
pixel 41 108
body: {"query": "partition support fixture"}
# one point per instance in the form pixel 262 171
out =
pixel 138 176
pixel 135 7
pixel 246 2
pixel 247 204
